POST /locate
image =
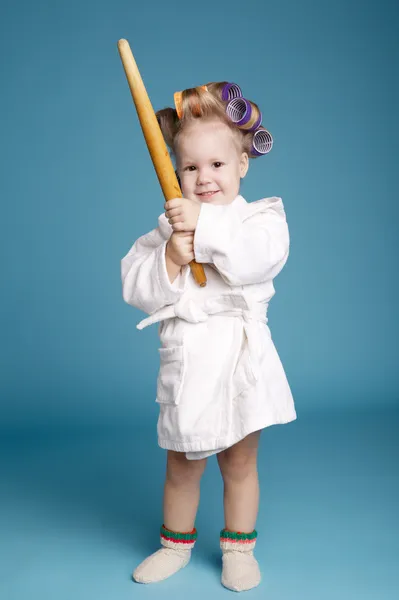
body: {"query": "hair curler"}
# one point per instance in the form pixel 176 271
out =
pixel 244 114
pixel 262 142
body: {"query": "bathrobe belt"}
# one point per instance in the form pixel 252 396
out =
pixel 229 305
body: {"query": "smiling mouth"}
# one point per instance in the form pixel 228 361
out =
pixel 208 194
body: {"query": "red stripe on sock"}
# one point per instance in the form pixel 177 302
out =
pixel 237 541
pixel 177 541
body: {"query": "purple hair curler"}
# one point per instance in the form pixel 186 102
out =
pixel 239 110
pixel 230 91
pixel 262 142
pixel 244 114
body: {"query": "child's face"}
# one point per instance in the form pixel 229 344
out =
pixel 208 162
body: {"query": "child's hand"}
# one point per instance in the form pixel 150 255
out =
pixel 180 248
pixel 182 213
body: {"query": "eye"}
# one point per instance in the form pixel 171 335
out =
pixel 190 168
pixel 218 164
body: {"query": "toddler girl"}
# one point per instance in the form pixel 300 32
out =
pixel 220 380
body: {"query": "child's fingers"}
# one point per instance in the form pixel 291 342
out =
pixel 179 226
pixel 173 212
pixel 183 234
pixel 173 203
pixel 189 255
pixel 187 244
pixel 176 219
pixel 186 247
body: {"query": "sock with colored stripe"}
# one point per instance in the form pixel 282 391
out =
pixel 173 556
pixel 240 568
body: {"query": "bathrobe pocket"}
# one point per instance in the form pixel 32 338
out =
pixel 170 377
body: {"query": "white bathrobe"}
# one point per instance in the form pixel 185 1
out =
pixel 220 375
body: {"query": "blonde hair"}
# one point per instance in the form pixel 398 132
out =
pixel 197 103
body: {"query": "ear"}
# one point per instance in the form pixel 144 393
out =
pixel 244 164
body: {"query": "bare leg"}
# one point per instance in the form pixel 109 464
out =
pixel 182 491
pixel 238 465
pixel 181 499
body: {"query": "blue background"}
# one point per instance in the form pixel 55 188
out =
pixel 82 475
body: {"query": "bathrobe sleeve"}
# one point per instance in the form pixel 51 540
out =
pixel 145 280
pixel 245 249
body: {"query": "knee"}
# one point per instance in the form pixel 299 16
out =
pixel 236 466
pixel 181 471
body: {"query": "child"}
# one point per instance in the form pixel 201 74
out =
pixel 220 380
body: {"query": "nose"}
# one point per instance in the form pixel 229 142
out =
pixel 202 177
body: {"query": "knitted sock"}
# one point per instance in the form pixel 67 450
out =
pixel 240 567
pixel 173 556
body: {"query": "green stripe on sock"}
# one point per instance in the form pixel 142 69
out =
pixel 234 535
pixel 178 536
